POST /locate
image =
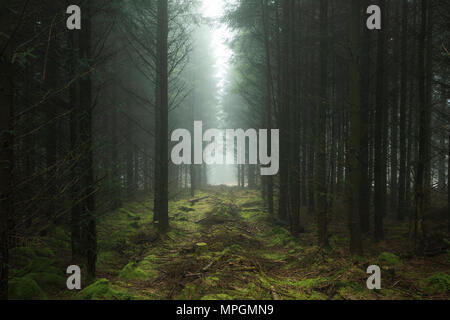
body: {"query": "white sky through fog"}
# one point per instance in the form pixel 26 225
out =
pixel 214 9
pixel 220 34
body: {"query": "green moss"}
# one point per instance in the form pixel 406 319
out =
pixel 102 290
pixel 438 283
pixel 387 259
pixel 252 215
pixel 148 266
pixel 25 288
pixel 48 280
pixel 132 272
pixel 278 236
pixel 353 291
pixel 40 265
pixel 311 283
pixel 189 292
pixel 235 248
pixel 275 256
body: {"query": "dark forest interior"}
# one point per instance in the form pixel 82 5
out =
pixel 87 176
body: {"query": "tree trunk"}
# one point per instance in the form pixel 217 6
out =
pixel 75 224
pixel 87 139
pixel 380 156
pixel 355 128
pixel 423 136
pixel 6 161
pixel 51 107
pixel 394 114
pixel 284 118
pixel 321 134
pixel 163 105
pixel 364 192
pixel 403 119
pixel 268 99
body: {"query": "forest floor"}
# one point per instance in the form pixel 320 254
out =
pixel 222 245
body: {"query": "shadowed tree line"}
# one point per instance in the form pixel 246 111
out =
pixel 363 114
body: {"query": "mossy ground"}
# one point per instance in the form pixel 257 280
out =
pixel 226 247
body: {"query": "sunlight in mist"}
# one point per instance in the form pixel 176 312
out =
pixel 215 9
pixel 220 34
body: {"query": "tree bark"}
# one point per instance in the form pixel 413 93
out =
pixel 380 156
pixel 321 133
pixel 403 118
pixel 163 105
pixel 355 128
pixel 6 161
pixel 89 219
pixel 423 136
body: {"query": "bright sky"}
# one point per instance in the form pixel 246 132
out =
pixel 215 9
pixel 219 174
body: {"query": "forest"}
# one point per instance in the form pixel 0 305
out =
pixel 98 201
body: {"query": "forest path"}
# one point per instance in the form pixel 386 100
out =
pixel 223 245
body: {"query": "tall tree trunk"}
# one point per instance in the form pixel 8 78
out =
pixel 429 101
pixel 380 156
pixel 163 105
pixel 130 161
pixel 284 118
pixel 423 136
pixel 268 97
pixel 394 113
pixel 6 161
pixel 321 133
pixel 75 224
pixel 50 74
pixel 87 140
pixel 403 119
pixel 294 130
pixel 365 186
pixel 355 128
pixel 116 194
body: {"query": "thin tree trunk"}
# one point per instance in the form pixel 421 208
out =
pixel 355 129
pixel 380 159
pixel 284 118
pixel 75 223
pixel 364 192
pixel 321 143
pixel 423 136
pixel 268 179
pixel 394 113
pixel 87 140
pixel 6 161
pixel 163 104
pixel 403 119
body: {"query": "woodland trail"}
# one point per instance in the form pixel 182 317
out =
pixel 224 246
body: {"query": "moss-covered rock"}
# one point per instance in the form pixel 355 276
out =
pixel 25 288
pixel 438 283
